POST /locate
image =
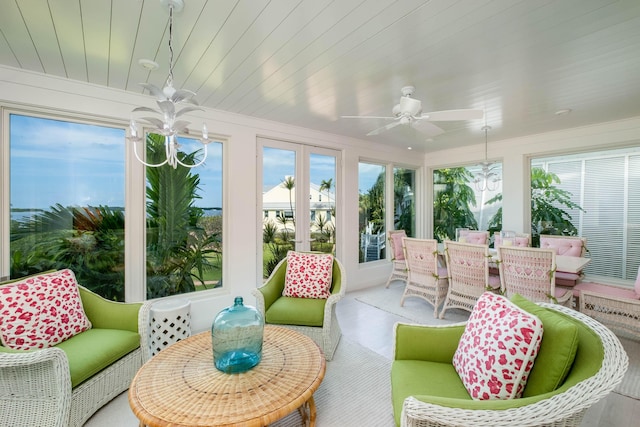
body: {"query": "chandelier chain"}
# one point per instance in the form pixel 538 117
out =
pixel 170 78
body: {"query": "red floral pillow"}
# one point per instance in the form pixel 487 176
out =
pixel 41 311
pixel 308 275
pixel 497 349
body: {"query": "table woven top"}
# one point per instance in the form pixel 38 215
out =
pixel 180 386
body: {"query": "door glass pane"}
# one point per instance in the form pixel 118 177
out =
pixel 371 185
pixel 184 221
pixel 278 204
pixel 404 216
pixel 67 201
pixel 322 203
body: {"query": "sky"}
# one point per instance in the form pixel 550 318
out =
pixel 75 164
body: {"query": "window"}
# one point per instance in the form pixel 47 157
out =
pixel 184 221
pixel 460 199
pixel 371 184
pixel 68 205
pixel 593 195
pixel 404 215
pixel 67 201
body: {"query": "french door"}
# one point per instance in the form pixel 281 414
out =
pixel 298 185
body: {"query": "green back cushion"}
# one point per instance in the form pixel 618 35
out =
pixel 557 350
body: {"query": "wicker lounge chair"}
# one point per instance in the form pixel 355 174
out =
pixel 599 366
pixel 320 323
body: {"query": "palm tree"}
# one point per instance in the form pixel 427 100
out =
pixel 289 184
pixel 177 248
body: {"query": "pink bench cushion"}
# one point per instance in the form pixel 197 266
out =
pixel 613 291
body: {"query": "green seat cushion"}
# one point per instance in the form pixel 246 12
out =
pixel 296 311
pixel 95 349
pixel 419 377
pixel 557 350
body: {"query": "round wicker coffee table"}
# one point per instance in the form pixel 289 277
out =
pixel 180 386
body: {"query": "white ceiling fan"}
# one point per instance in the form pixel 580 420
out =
pixel 409 112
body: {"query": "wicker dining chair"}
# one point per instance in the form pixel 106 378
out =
pixel 425 279
pixel 531 272
pixel 474 236
pixel 469 278
pixel 399 266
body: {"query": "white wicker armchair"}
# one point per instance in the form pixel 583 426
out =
pixel 327 334
pixel 36 387
pixel 564 407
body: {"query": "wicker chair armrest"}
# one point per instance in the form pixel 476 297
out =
pixel 272 288
pixel 36 387
pixel 105 314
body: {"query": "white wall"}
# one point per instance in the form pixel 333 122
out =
pixel 241 270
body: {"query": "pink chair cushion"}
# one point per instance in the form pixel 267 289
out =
pixel 566 279
pixel 398 253
pixel 567 247
pixel 613 291
pixel 476 237
pixel 520 241
pixel 494 281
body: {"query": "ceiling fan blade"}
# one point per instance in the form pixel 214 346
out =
pixel 427 128
pixel 368 117
pixel 384 128
pixel 453 115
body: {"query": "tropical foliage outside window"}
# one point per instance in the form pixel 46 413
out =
pixel 458 203
pixel 68 209
pixel 371 182
pixel 67 201
pixel 184 222
pixel 372 215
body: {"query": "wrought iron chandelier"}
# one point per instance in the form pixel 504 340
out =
pixel 487 178
pixel 168 100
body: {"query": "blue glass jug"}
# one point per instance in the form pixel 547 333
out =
pixel 236 338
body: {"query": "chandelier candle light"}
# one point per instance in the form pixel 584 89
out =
pixel 168 100
pixel 487 178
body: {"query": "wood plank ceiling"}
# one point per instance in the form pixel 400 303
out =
pixel 309 62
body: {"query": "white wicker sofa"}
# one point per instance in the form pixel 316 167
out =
pixel 65 384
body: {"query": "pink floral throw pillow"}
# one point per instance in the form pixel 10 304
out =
pixel 308 275
pixel 497 349
pixel 41 311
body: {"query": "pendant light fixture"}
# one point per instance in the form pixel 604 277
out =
pixel 487 178
pixel 168 99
